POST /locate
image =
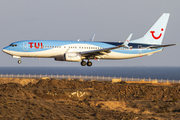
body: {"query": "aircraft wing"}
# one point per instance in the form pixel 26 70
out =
pixel 94 53
pixel 158 46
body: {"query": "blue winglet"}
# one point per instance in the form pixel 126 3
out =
pixel 92 38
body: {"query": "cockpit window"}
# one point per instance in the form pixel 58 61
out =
pixel 13 45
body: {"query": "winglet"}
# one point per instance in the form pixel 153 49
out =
pixel 125 44
pixel 92 38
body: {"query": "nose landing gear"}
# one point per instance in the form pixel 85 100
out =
pixel 19 61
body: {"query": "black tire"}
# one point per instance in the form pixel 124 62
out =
pixel 83 63
pixel 19 61
pixel 89 63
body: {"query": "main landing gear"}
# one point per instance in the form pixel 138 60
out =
pixel 83 63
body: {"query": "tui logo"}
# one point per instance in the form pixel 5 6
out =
pixel 36 45
pixel 152 32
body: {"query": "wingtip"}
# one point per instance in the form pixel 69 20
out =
pixel 92 38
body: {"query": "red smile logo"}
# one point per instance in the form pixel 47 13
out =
pixel 152 32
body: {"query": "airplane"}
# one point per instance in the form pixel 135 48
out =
pixel 79 51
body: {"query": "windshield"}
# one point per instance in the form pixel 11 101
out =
pixel 13 45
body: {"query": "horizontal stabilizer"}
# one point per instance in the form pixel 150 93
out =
pixel 158 46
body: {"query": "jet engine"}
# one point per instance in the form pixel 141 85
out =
pixel 73 57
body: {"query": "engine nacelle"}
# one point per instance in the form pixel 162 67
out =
pixel 73 57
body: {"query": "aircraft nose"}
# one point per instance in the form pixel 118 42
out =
pixel 4 50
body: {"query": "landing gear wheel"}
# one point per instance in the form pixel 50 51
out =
pixel 83 63
pixel 19 61
pixel 89 63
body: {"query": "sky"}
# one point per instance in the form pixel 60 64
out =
pixel 110 20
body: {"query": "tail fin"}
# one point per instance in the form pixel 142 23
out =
pixel 156 32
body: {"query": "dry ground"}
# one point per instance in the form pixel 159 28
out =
pixel 25 99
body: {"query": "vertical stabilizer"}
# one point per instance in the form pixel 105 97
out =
pixel 156 32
